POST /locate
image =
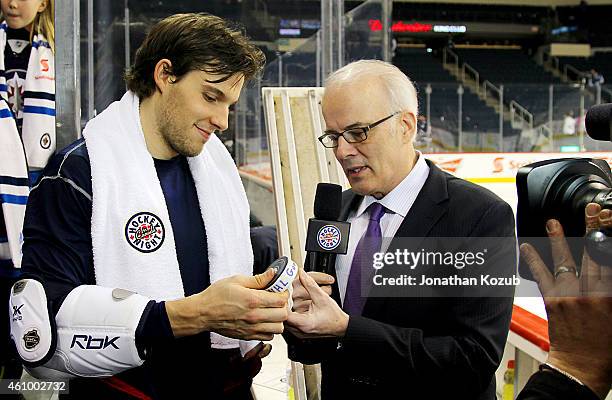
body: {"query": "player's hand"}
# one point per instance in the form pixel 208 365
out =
pixel 235 307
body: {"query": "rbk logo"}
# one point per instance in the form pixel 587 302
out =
pixel 17 311
pixel 87 342
pixel 45 65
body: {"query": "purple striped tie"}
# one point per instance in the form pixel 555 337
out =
pixel 369 244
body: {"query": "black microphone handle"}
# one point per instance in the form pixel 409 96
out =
pixel 312 262
pixel 325 262
pixel 319 262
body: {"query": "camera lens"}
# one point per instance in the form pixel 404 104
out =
pixel 560 189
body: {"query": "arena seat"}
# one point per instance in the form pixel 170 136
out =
pixel 425 68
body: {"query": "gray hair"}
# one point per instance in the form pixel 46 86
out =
pixel 402 93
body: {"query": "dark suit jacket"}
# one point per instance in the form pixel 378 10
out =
pixel 427 347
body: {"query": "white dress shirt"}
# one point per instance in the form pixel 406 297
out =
pixel 397 202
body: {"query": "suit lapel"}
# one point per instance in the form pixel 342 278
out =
pixel 429 206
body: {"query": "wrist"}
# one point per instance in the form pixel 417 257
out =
pixel 342 325
pixel 184 317
pixel 588 371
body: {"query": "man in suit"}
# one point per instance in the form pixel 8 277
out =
pixel 434 347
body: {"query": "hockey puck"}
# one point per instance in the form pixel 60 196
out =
pixel 285 272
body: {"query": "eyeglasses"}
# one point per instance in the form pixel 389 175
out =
pixel 352 135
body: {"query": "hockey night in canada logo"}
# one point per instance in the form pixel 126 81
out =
pixel 145 232
pixel 329 237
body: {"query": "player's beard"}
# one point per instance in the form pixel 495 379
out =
pixel 176 132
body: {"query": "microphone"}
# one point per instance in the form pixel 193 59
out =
pixel 326 235
pixel 599 122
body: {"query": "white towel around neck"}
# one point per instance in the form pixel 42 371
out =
pixel 125 184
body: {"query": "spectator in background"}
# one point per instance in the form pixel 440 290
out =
pixel 569 124
pixel 27 74
pixel 27 134
pixel 596 79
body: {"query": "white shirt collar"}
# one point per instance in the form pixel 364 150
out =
pixel 401 198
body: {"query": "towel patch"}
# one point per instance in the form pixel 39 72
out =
pixel 145 232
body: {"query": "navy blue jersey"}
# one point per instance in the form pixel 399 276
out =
pixel 58 251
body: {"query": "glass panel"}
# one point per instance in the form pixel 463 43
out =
pixel 363 33
pixel 297 67
pixel 108 55
pixel 294 68
pixel 443 115
pixel 247 135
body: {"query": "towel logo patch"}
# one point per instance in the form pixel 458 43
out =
pixel 145 232
pixel 329 237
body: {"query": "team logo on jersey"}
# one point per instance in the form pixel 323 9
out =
pixel 31 339
pixel 45 141
pixel 329 237
pixel 145 232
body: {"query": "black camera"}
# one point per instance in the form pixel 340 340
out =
pixel 561 189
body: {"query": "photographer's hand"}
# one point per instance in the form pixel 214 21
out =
pixel 579 308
